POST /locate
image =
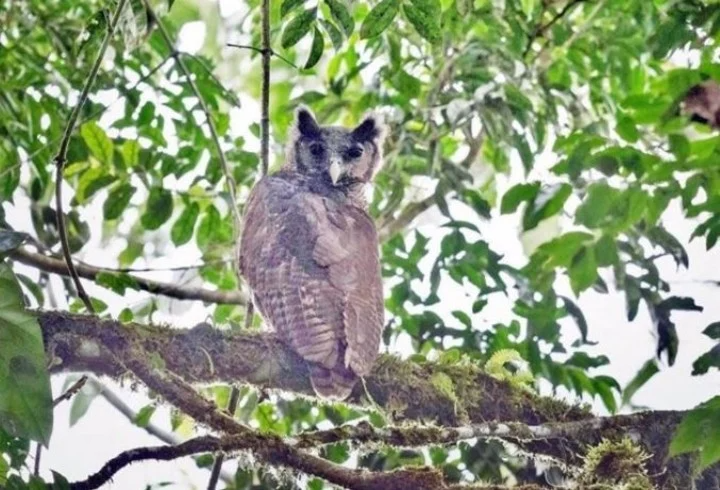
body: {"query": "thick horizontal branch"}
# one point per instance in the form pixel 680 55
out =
pixel 57 266
pixel 448 395
pixel 452 396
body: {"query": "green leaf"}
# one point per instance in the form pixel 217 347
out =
pixel 379 18
pixel 298 27
pixel 117 200
pixel 25 396
pixel 548 202
pixel 699 431
pixel 464 7
pixel 158 210
pixel 146 114
pixel 596 206
pixel 316 51
pixel 679 303
pixel 117 282
pixel 561 250
pixel 288 5
pixel 10 240
pixel 425 17
pixel 97 141
pixel 336 37
pixel 91 181
pixel 78 231
pixel 583 270
pixel 713 330
pixel 604 389
pixel 342 16
pixel 208 226
pixel 517 195
pixel 81 402
pixel 661 237
pixel 528 7
pixel 647 371
pixel 130 151
pixel 142 419
pixel 627 130
pixel 182 230
pixel 709 359
pixel 576 313
pixel 606 251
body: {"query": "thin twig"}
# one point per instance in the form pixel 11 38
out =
pixel 219 459
pixel 540 30
pixel 262 51
pixel 38 457
pixel 173 290
pixel 173 268
pixel 233 98
pixel 231 185
pixel 70 392
pixel 61 157
pixel 265 102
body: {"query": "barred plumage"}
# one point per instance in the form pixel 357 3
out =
pixel 309 251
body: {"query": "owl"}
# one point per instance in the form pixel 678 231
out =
pixel 309 250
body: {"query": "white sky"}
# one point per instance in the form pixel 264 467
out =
pixel 103 433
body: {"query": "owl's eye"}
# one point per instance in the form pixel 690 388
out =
pixel 317 149
pixel 355 152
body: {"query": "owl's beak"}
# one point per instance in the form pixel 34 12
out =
pixel 335 171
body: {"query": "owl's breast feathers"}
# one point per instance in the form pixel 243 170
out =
pixel 312 263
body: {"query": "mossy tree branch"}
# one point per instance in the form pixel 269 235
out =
pixel 406 391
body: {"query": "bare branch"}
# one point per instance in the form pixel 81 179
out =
pixel 57 266
pixel 407 216
pixel 261 51
pixel 158 453
pixel 61 157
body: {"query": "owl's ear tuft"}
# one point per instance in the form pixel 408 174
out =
pixel 305 123
pixel 372 128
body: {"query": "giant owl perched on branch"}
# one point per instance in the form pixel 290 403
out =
pixel 309 251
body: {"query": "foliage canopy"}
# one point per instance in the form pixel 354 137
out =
pixel 566 114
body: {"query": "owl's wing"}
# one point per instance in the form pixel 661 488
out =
pixel 347 244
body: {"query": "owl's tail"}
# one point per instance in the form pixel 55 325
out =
pixel 336 383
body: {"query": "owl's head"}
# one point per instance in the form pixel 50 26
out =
pixel 338 156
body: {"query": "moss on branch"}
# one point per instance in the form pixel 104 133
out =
pixel 204 355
